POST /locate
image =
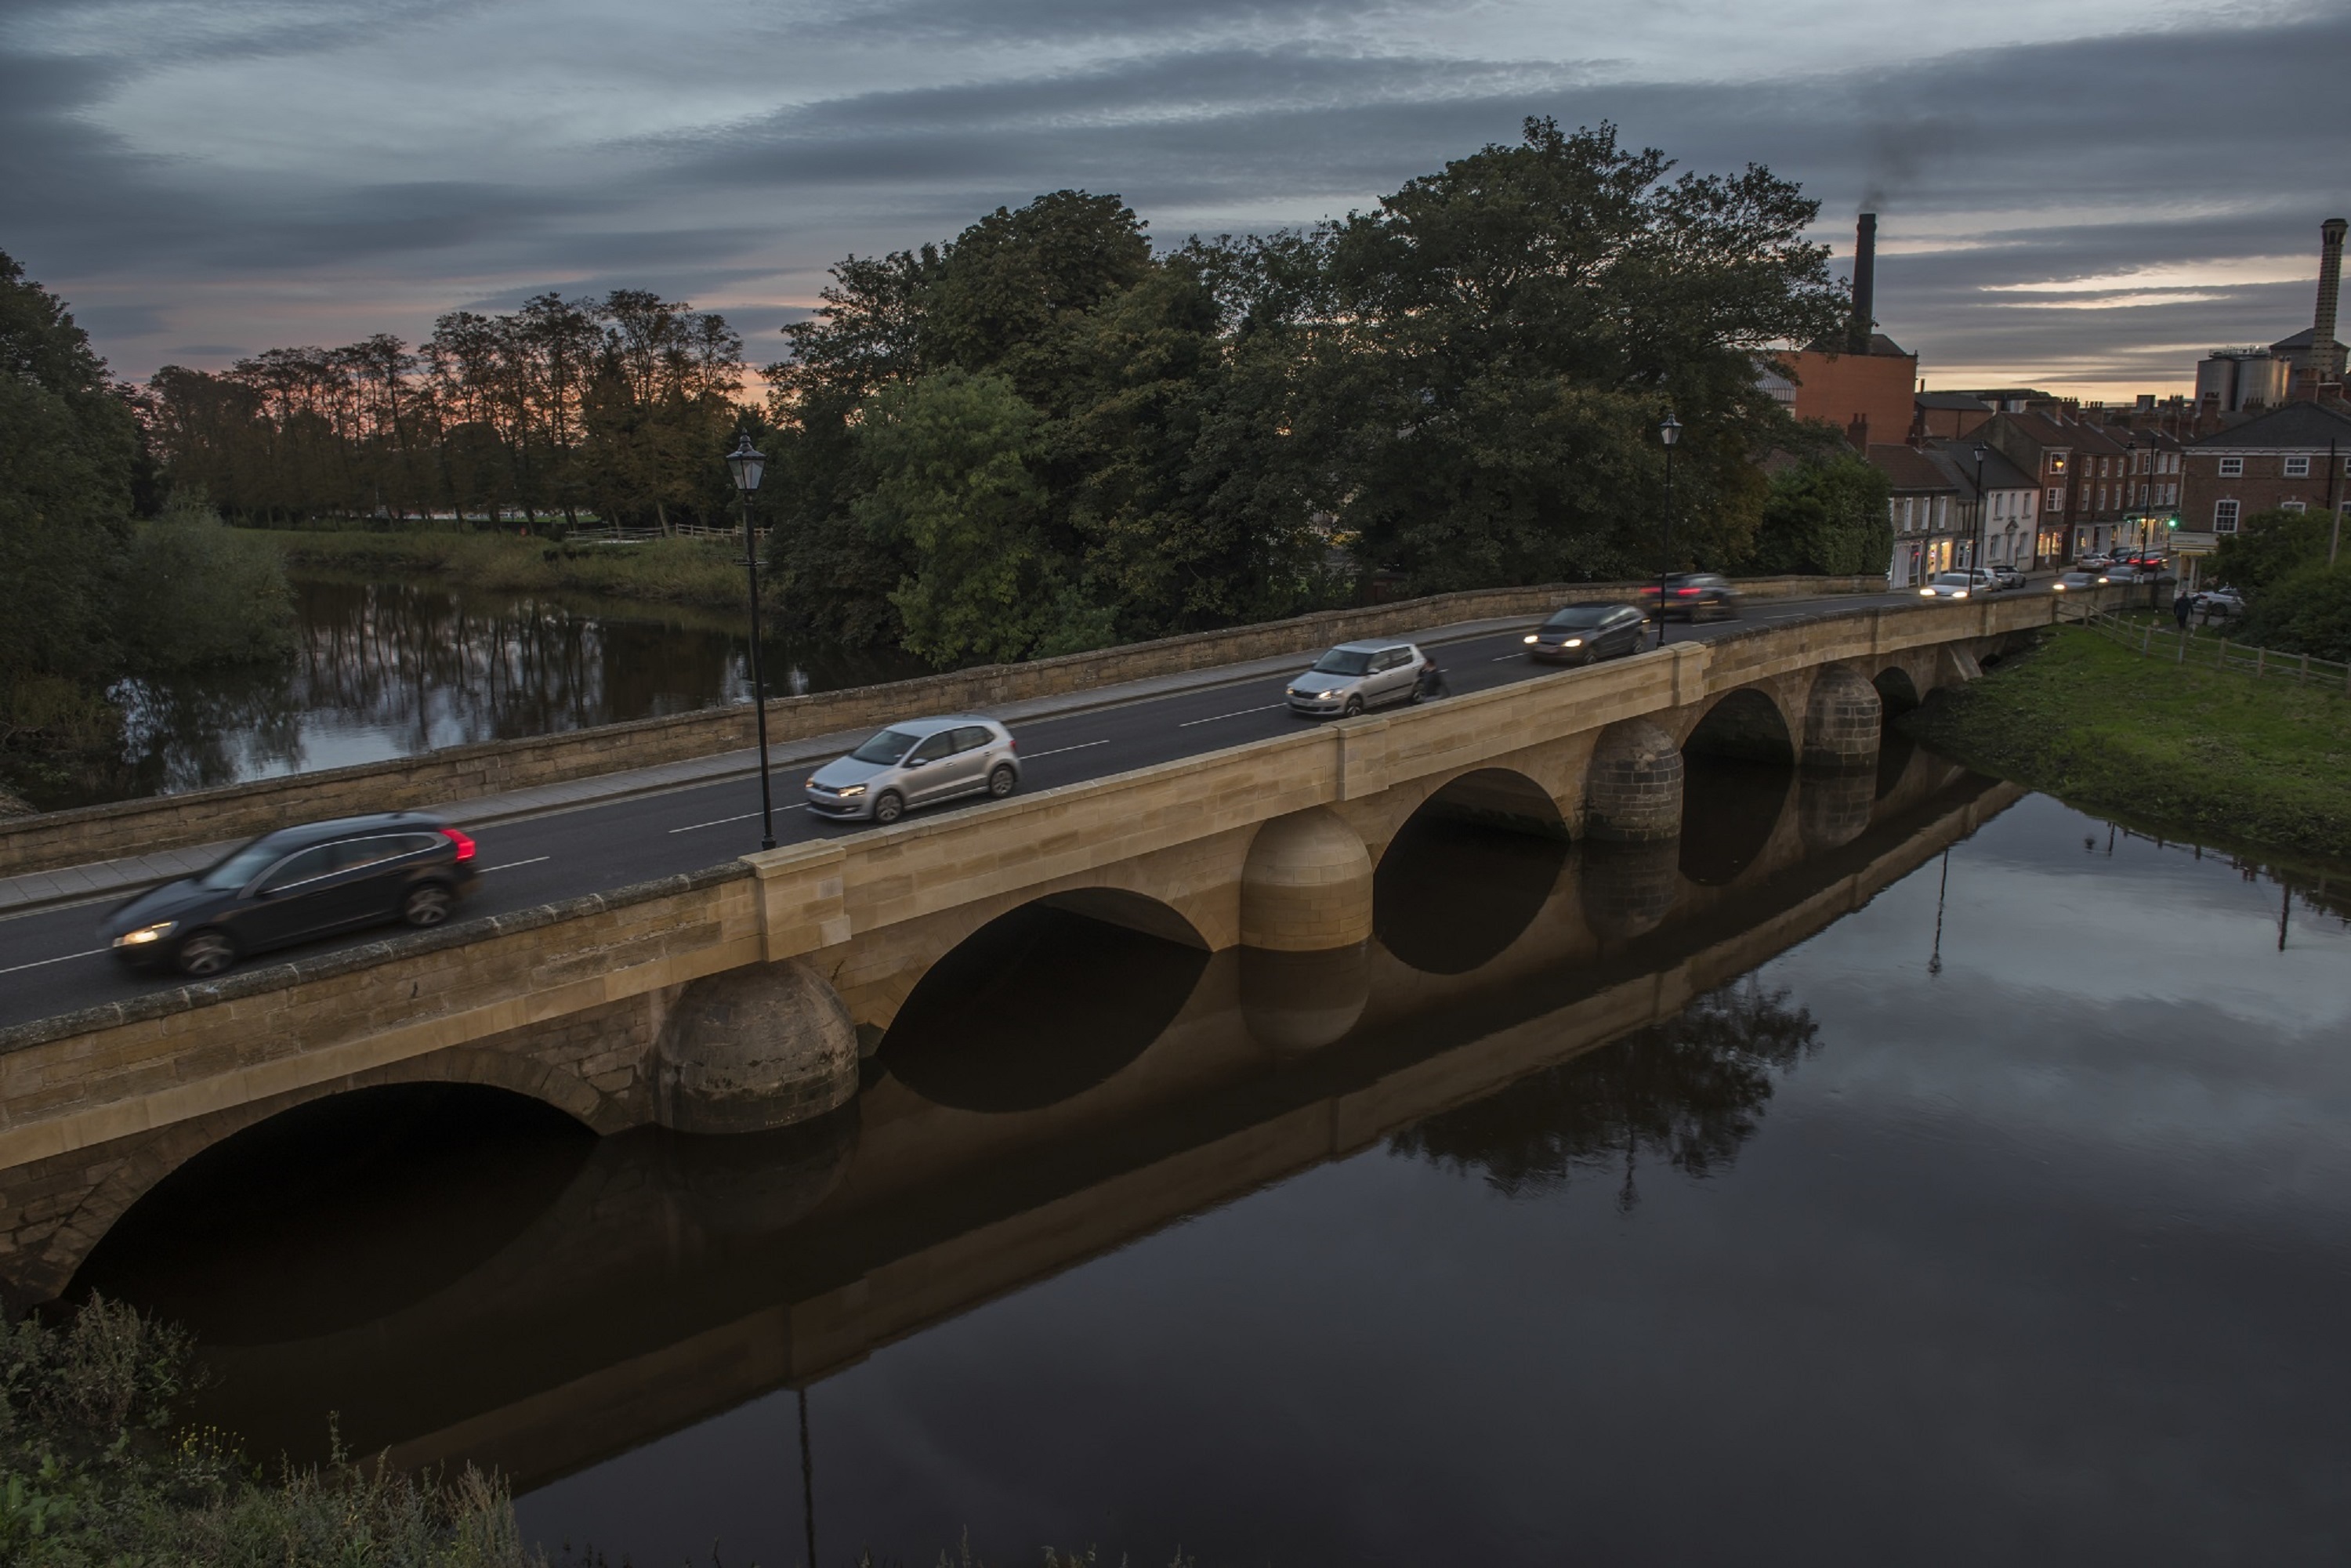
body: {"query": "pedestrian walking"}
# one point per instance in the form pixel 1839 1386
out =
pixel 2181 607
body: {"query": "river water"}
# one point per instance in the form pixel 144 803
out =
pixel 1973 1186
pixel 389 669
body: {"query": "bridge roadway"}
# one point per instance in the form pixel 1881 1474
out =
pixel 51 961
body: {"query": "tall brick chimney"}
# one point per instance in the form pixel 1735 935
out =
pixel 1865 283
pixel 2324 356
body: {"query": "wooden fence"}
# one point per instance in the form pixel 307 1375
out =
pixel 2150 638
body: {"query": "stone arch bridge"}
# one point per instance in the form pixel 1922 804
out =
pixel 741 997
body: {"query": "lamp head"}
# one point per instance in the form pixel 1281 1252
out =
pixel 746 460
pixel 1670 430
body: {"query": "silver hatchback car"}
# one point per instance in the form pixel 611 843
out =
pixel 916 763
pixel 1354 677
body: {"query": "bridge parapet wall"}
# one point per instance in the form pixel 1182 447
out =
pixel 140 827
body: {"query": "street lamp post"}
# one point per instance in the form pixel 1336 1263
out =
pixel 1669 432
pixel 1982 520
pixel 746 462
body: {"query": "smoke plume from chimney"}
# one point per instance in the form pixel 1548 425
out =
pixel 1865 283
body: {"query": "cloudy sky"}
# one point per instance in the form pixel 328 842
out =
pixel 2079 195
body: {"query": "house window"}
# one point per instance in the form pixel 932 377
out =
pixel 2297 468
pixel 2291 506
pixel 2232 467
pixel 2224 516
pixel 2056 500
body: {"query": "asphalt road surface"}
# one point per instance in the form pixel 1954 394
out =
pixel 53 960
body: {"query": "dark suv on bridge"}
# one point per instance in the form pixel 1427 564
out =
pixel 294 885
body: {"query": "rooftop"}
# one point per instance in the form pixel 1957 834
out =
pixel 2303 425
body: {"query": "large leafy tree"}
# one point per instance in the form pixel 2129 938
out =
pixel 1825 514
pixel 67 448
pixel 948 459
pixel 1531 310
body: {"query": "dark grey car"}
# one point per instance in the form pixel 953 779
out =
pixel 294 885
pixel 916 763
pixel 1582 633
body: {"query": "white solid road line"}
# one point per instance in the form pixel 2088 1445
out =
pixel 37 962
pixel 511 864
pixel 1041 755
pixel 1237 713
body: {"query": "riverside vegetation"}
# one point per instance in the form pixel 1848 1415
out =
pixel 2202 753
pixel 2206 753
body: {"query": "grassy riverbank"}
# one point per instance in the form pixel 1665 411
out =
pixel 2201 753
pixel 674 571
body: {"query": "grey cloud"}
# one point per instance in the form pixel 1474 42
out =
pixel 2059 144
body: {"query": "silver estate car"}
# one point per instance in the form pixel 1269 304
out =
pixel 1354 677
pixel 916 763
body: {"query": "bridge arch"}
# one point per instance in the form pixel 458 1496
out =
pixel 92 1189
pixel 1046 1000
pixel 1468 871
pixel 1740 755
pixel 1898 692
pixel 1843 716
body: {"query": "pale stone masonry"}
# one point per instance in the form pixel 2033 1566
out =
pixel 569 1004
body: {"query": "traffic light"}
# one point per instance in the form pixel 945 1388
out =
pixel 2173 521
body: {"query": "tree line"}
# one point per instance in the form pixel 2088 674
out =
pixel 1043 436
pixel 613 406
pixel 1046 435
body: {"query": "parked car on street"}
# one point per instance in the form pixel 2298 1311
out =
pixel 917 762
pixel 2008 576
pixel 1583 633
pixel 1960 585
pixel 1354 677
pixel 2218 603
pixel 295 884
pixel 1693 596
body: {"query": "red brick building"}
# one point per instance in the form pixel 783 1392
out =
pixel 2297 456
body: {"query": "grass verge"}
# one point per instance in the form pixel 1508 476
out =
pixel 2201 753
pixel 676 571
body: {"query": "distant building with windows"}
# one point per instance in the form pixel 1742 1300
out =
pixel 2297 457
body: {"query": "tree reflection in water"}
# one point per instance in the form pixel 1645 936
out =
pixel 1692 1090
pixel 386 669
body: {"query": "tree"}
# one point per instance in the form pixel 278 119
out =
pixel 1825 514
pixel 2270 547
pixel 67 446
pixel 947 461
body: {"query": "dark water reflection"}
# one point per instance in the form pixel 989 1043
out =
pixel 1869 1205
pixel 386 670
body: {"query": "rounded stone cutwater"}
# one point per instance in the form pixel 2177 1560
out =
pixel 1628 888
pixel 1633 789
pixel 1832 808
pixel 1843 721
pixel 1306 886
pixel 754 1049
pixel 1295 1002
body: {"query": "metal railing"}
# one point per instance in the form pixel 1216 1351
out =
pixel 614 534
pixel 2149 638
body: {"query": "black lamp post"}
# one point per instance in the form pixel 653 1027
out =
pixel 1983 534
pixel 747 460
pixel 1669 432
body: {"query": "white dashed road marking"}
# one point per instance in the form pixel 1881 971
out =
pixel 1237 713
pixel 37 962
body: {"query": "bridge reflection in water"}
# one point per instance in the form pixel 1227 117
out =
pixel 461 1275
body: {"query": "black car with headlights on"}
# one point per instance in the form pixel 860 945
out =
pixel 294 885
pixel 1580 633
